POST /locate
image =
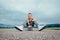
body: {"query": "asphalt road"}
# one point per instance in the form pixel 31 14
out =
pixel 14 34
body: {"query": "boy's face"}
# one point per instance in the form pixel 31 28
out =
pixel 29 15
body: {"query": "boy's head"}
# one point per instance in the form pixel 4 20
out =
pixel 29 15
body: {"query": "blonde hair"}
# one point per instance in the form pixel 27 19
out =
pixel 29 13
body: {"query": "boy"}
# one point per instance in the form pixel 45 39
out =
pixel 30 22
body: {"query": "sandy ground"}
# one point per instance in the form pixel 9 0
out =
pixel 14 34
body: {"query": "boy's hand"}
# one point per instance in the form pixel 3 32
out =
pixel 29 26
pixel 34 19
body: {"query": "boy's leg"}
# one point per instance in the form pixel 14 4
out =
pixel 40 28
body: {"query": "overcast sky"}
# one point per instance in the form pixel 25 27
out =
pixel 15 11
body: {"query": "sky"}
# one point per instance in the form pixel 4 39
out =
pixel 15 11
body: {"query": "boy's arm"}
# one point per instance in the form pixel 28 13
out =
pixel 24 22
pixel 35 21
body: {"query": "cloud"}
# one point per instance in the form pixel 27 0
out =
pixel 18 5
pixel 45 11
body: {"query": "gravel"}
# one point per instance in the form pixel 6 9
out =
pixel 14 34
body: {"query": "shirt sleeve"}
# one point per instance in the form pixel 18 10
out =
pixel 35 21
pixel 24 22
